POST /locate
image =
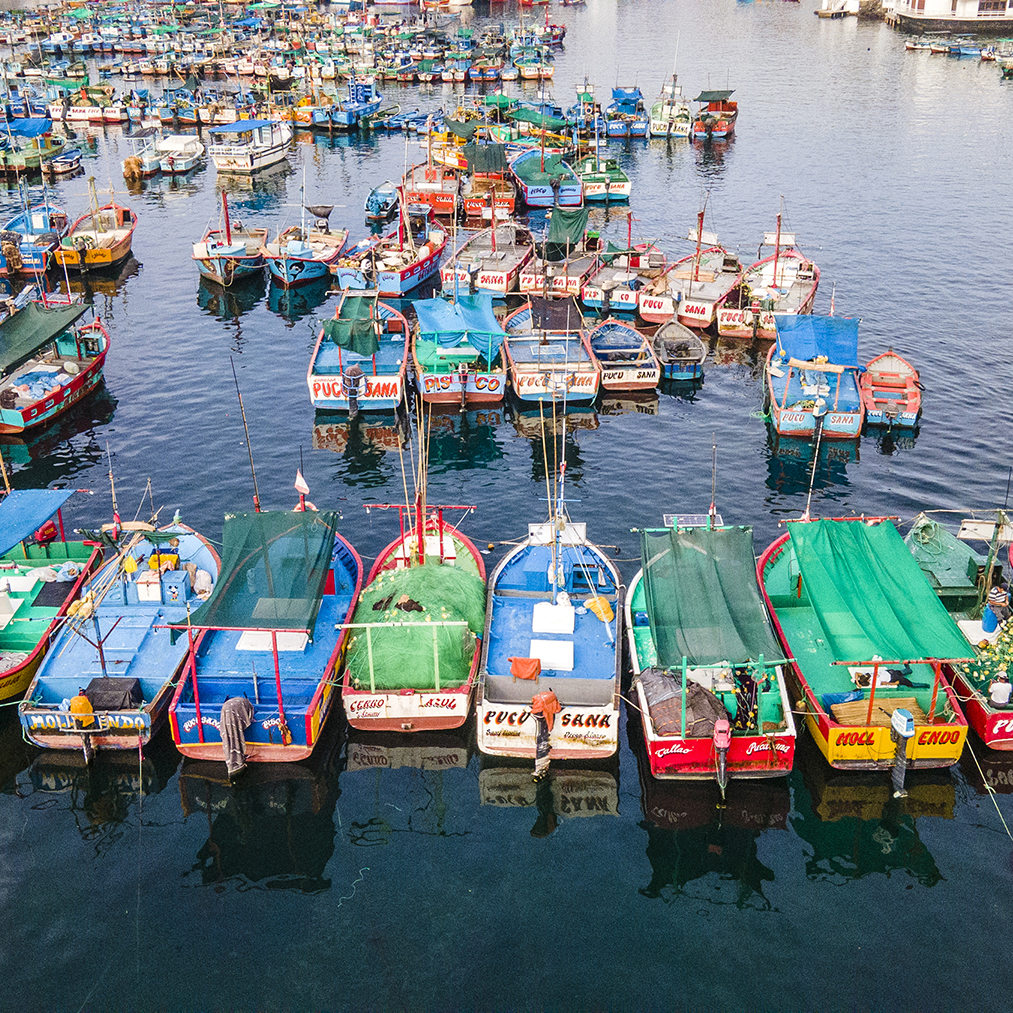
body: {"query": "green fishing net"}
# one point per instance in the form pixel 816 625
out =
pixel 403 656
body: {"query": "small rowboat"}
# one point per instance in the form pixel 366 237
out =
pixel 891 391
pixel 679 351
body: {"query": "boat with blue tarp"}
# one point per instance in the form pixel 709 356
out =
pixel 41 573
pixel 456 351
pixel 626 115
pixel 248 145
pixel 267 638
pixel 551 655
pixel 361 356
pixel 811 377
pixel 108 678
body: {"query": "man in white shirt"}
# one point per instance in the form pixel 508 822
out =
pixel 1001 689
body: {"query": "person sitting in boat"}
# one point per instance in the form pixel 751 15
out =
pixel 996 611
pixel 1000 689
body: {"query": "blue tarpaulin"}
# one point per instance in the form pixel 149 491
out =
pixel 34 127
pixel 471 318
pixel 241 126
pixel 24 511
pixel 805 337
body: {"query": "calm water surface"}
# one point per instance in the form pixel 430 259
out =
pixel 411 873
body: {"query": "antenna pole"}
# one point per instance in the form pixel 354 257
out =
pixel 246 430
pixel 112 489
pixel 712 514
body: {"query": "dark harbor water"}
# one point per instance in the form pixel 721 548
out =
pixel 411 873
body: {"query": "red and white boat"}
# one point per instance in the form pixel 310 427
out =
pixel 435 185
pixel 490 261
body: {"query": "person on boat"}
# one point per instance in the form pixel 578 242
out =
pixel 81 708
pixel 1000 689
pixel 996 611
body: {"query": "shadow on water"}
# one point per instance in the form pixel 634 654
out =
pixel 263 191
pixel 571 789
pixel 412 768
pixel 711 157
pixel 699 850
pixel 68 446
pixel 98 796
pixel 463 440
pixel 273 829
pixel 790 463
pixel 541 426
pixel 853 824
pixel 232 302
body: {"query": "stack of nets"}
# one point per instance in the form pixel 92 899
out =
pixel 403 656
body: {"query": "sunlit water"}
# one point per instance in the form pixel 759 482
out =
pixel 415 874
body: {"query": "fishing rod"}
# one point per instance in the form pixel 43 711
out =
pixel 249 446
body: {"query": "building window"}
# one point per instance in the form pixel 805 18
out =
pixel 991 7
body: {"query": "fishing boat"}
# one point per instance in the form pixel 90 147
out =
pixel 228 253
pixel 67 162
pixel 110 673
pixel 399 262
pixel 432 184
pixel 416 636
pixel 100 239
pixel 545 180
pixel 679 351
pixel 569 256
pixel 811 378
pixel 28 239
pixel 179 153
pixel 301 255
pixel 603 179
pixel 670 115
pixel 490 261
pixel 270 636
pixel 866 637
pixel 456 351
pixel 552 652
pixel 381 203
pixel 783 283
pixel 363 101
pixel 486 189
pixel 693 288
pixel 621 275
pixel 248 145
pixel 626 116
pixel 146 158
pixel 48 363
pixel 626 357
pixel 715 119
pixel 547 353
pixel 41 573
pixel 707 670
pixel 891 391
pixel 361 356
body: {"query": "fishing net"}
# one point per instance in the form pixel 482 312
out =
pixel 403 656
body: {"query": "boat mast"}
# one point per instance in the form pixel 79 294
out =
pixel 228 224
pixel 777 246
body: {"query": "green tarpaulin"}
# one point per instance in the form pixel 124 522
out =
pixel 466 131
pixel 566 230
pixel 702 599
pixel 355 328
pixel 870 595
pixel 30 328
pixel 714 96
pixel 274 567
pixel 499 100
pixel 530 170
pixel 543 120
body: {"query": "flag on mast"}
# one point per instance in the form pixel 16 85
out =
pixel 300 483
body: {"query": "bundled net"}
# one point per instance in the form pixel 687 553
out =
pixel 403 656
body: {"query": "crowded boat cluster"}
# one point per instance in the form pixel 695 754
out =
pixel 888 648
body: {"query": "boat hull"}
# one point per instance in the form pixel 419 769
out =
pixel 228 271
pixel 291 272
pixel 448 388
pixel 993 727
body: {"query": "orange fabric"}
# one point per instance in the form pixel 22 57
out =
pixel 525 668
pixel 81 708
pixel 547 705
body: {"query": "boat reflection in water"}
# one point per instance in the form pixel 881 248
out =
pixel 572 788
pixel 232 302
pixel 986 770
pixel 699 850
pixel 855 827
pixel 98 282
pixel 99 794
pixel 292 304
pixel 364 443
pixel 890 442
pixel 681 390
pixel 790 463
pixel 735 352
pixel 15 753
pixel 421 771
pixel 631 403
pixel 463 440
pixel 273 828
pixel 542 426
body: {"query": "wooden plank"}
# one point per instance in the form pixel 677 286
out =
pixel 854 713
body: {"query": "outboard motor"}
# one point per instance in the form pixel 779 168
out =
pixel 902 728
pixel 722 740
pixel 353 386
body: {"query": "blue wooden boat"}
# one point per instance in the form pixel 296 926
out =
pixel 811 377
pixel 66 162
pixel 268 633
pixel 381 204
pixel 228 253
pixel 39 229
pixel 361 356
pixel 115 647
pixel 363 100
pixel 552 645
pixel 301 255
pixel 626 115
pixel 680 352
pixel 626 357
